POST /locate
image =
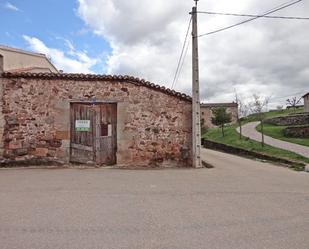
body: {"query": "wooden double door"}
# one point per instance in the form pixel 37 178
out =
pixel 93 133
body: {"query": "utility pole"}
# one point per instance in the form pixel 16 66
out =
pixel 196 120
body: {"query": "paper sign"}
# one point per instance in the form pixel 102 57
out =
pixel 82 125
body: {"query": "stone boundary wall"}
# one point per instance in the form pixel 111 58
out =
pixel 299 119
pixel 246 153
pixel 297 132
pixel 153 126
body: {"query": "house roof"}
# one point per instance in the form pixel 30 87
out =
pixel 233 104
pixel 17 50
pixel 96 77
pixel 306 95
pixel 27 69
pixel 21 51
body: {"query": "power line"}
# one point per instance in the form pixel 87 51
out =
pixel 248 15
pixel 182 63
pixel 252 19
pixel 291 95
pixel 181 54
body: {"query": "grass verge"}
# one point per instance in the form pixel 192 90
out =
pixel 232 138
pixel 276 131
pixel 273 114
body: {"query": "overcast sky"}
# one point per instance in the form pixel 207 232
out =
pixel 143 38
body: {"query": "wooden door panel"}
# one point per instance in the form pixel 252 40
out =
pixel 81 155
pixel 98 145
pixel 82 141
pixel 105 154
pixel 106 134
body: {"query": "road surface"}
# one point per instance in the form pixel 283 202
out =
pixel 239 204
pixel 249 130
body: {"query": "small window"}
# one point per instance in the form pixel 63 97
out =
pixel 106 130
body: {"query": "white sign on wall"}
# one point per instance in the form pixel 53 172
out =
pixel 82 125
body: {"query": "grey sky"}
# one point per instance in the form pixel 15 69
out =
pixel 269 57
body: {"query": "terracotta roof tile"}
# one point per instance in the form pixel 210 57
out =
pixel 94 77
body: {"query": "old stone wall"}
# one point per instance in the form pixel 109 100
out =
pixel 153 127
pixel 298 131
pixel 298 119
pixel 251 154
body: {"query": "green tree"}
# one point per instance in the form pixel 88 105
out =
pixel 221 117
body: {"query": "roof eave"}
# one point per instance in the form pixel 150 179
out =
pixel 96 77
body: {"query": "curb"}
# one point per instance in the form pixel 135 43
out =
pixel 299 166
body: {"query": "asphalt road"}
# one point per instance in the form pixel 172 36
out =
pixel 249 130
pixel 239 204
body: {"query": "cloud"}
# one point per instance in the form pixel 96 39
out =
pixel 10 6
pixel 71 60
pixel 265 56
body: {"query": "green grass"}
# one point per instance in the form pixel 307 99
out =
pixel 232 138
pixel 277 132
pixel 272 114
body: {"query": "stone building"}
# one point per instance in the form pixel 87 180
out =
pixel 306 102
pixel 17 60
pixel 94 119
pixel 206 112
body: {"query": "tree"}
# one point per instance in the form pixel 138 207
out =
pixel 221 117
pixel 259 106
pixel 293 102
pixel 242 112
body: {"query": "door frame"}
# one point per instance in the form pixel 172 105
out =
pixel 89 103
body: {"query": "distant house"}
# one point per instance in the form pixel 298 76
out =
pixel 17 61
pixel 306 102
pixel 206 112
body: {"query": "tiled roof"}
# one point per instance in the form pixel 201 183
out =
pixel 233 104
pixel 96 77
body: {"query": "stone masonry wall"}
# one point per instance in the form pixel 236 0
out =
pixel 298 119
pixel 153 128
pixel 298 132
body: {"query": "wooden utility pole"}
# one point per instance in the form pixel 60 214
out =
pixel 196 119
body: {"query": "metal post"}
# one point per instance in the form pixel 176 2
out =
pixel 196 120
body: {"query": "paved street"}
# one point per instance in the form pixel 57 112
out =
pixel 240 203
pixel 249 130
